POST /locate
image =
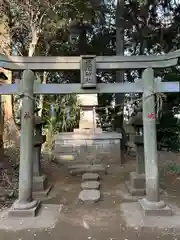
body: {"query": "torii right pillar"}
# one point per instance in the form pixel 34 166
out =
pixel 151 204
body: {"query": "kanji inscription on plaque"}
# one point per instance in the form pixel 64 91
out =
pixel 88 71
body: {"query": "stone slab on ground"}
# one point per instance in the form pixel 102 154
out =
pixel 75 166
pixel 89 196
pixel 137 219
pixel 47 217
pixel 90 176
pixel 86 168
pixel 90 185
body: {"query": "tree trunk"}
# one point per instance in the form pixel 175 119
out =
pixel 41 97
pixel 31 52
pixel 119 98
pixel 10 130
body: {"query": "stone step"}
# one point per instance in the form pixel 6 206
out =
pixel 70 159
pixel 90 176
pixel 78 166
pixel 90 185
pixel 86 168
pixel 89 196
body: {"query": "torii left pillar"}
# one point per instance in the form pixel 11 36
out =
pixel 25 206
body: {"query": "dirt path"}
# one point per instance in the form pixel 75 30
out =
pixel 100 221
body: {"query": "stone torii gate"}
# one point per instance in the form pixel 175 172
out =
pixel 28 86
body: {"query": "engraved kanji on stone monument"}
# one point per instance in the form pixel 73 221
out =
pixel 88 71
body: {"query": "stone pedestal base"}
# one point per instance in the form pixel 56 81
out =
pixel 90 148
pixel 136 184
pixel 87 131
pixel 41 188
pixel 155 208
pixel 24 212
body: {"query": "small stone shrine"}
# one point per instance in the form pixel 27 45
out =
pixel 88 144
pixel 88 114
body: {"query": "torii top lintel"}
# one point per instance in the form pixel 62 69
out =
pixel 41 63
